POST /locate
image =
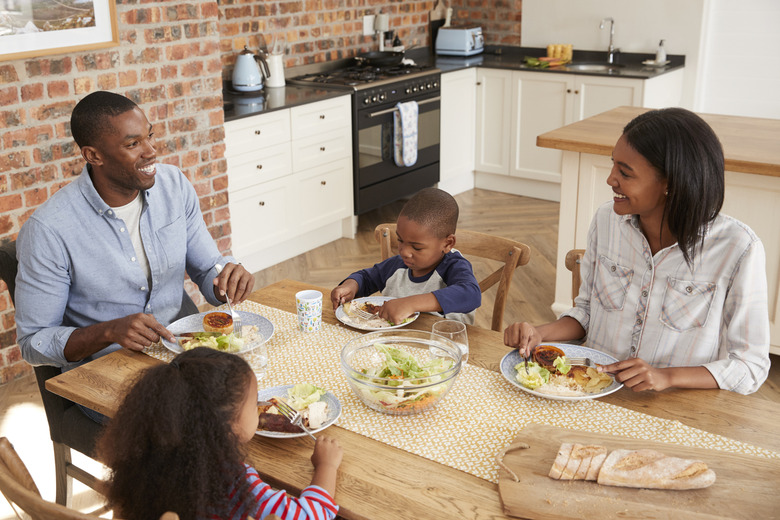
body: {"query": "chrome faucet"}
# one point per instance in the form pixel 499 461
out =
pixel 612 50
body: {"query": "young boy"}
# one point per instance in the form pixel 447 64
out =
pixel 427 275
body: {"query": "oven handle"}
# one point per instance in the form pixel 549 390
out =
pixel 389 110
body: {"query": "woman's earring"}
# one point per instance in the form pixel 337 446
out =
pixel 666 192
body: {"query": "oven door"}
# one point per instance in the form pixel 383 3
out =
pixel 375 153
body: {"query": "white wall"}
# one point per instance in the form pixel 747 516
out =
pixel 639 25
pixel 741 65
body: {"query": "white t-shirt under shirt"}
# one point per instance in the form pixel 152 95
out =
pixel 131 215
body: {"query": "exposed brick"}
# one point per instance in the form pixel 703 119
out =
pixel 13 354
pixel 12 160
pixel 10 202
pixel 83 85
pixel 190 159
pixel 8 74
pixel 149 75
pixel 6 224
pixel 22 218
pixel 128 78
pixel 27 136
pixel 48 66
pixel 107 81
pixel 9 96
pixel 35 197
pixel 53 111
pixel 32 92
pixel 58 89
pixel 71 168
pixel 220 183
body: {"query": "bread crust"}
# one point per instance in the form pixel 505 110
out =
pixel 654 470
pixel 221 322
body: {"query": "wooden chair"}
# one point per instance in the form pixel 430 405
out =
pixel 573 261
pixel 512 253
pixel 18 487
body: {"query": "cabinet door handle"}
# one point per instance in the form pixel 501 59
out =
pixel 479 83
pixel 259 166
pixel 568 91
pixel 261 203
pixel 257 132
pixel 576 91
pixel 322 116
pixel 323 183
pixel 322 148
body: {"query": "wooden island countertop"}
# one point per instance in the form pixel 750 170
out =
pixel 750 144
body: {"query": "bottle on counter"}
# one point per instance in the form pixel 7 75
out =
pixel 660 54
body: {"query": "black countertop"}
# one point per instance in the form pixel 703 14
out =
pixel 511 58
pixel 239 105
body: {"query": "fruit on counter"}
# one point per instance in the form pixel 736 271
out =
pixel 562 51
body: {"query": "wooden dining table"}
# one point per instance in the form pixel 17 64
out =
pixel 378 481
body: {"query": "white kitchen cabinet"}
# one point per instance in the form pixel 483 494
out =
pixel 514 107
pixel 290 181
pixel 458 118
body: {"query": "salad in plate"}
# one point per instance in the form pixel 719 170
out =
pixel 401 382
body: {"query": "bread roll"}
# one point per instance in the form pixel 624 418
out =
pixel 652 469
pixel 221 322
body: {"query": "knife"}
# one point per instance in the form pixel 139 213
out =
pixel 196 335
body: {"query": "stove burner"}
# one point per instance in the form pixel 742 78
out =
pixel 361 74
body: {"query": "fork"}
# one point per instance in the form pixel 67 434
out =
pixel 294 416
pixel 236 316
pixel 581 361
pixel 360 312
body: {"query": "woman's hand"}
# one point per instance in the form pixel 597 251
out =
pixel 523 336
pixel 638 375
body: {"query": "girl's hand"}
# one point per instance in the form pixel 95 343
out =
pixel 638 375
pixel 523 336
pixel 327 452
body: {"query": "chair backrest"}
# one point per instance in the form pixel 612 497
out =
pixel 8 266
pixel 511 252
pixel 573 261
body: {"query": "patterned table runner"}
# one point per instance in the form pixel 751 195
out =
pixel 477 419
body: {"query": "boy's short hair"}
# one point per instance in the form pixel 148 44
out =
pixel 435 209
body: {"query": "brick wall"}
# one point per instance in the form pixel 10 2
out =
pixel 168 62
pixel 171 61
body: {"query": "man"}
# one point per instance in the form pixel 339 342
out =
pixel 102 262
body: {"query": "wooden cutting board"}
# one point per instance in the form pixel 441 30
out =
pixel 746 486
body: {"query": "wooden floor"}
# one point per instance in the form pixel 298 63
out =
pixel 531 221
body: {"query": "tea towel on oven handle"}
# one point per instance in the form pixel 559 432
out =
pixel 405 133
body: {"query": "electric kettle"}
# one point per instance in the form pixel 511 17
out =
pixel 247 74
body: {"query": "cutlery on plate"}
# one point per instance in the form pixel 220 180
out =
pixel 581 361
pixel 236 317
pixel 525 357
pixel 294 416
pixel 196 334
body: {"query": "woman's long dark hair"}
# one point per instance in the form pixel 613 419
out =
pixel 688 155
pixel 171 445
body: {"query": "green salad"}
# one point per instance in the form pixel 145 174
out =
pixel 402 370
pixel 538 375
pixel 225 342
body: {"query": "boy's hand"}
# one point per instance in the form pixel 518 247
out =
pixel 396 311
pixel 343 293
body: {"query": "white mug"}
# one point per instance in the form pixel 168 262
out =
pixel 276 68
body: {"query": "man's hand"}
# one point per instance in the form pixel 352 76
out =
pixel 133 332
pixel 343 293
pixel 235 281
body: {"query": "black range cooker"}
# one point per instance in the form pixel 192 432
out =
pixel 377 91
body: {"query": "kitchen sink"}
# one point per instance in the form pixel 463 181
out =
pixel 593 67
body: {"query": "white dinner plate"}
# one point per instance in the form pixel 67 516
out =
pixel 509 361
pixel 334 410
pixel 376 300
pixel 194 323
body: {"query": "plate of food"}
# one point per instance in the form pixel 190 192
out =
pixel 550 376
pixel 371 304
pixel 319 408
pixel 215 330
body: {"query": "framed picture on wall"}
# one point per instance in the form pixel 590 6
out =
pixel 32 28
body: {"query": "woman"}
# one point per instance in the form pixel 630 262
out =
pixel 671 287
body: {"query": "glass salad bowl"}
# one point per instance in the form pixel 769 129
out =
pixel 401 372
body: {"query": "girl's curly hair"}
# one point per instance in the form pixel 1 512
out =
pixel 171 445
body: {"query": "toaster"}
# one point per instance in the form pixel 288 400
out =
pixel 460 41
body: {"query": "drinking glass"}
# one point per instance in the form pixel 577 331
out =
pixel 456 332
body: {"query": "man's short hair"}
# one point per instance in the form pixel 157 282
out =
pixel 89 120
pixel 435 209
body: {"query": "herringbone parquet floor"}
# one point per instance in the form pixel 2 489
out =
pixel 532 221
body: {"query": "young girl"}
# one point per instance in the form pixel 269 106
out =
pixel 177 444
